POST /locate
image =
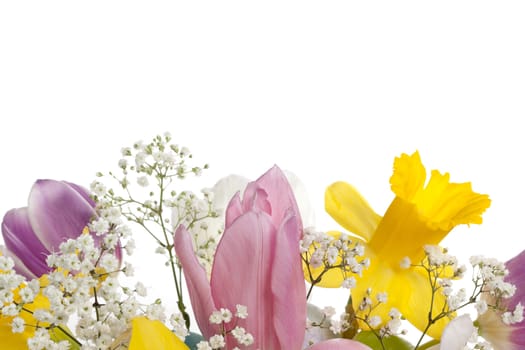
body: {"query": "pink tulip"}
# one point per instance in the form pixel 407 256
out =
pixel 339 344
pixel 257 264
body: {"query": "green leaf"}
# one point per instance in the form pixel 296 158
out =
pixel 63 333
pixel 390 343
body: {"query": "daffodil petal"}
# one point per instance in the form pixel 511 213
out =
pixel 152 334
pixel 351 210
pixel 446 204
pixel 408 290
pixel 409 176
pixel 8 339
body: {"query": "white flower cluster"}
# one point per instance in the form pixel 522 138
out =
pixel 194 213
pixel 489 275
pixel 154 167
pixel 392 326
pixel 83 286
pixel 321 250
pixel 224 318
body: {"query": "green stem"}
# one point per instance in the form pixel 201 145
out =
pixel 169 246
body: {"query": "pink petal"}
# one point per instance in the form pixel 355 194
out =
pixel 288 286
pixel 279 192
pixel 255 198
pixel 196 281
pixel 58 211
pixel 241 274
pixel 234 210
pixel 20 241
pixel 339 344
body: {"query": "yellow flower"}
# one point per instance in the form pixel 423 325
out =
pixel 153 334
pixel 421 213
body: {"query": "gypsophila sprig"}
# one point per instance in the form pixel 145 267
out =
pixel 322 253
pixel 84 284
pixel 229 331
pixel 487 276
pixel 147 195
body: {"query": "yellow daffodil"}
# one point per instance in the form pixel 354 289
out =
pixel 421 214
pixel 153 334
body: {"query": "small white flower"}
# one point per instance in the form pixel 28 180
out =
pixel 217 341
pixel 143 181
pixel 242 311
pixel 405 263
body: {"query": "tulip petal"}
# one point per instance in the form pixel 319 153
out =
pixel 255 198
pixel 339 344
pixel 302 199
pixel 457 333
pixel 279 192
pixel 83 192
pixel 226 188
pixel 153 334
pixel 241 274
pixel 196 281
pixel 351 210
pixel 288 285
pixel 233 211
pixel 19 267
pixel 21 241
pixel 57 212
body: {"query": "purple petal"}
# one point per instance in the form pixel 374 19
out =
pixel 83 192
pixel 58 211
pixel 196 281
pixel 21 241
pixel 288 287
pixel 241 274
pixel 516 276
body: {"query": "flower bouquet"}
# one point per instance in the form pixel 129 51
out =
pixel 248 260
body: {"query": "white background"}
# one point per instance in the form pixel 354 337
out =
pixel 329 90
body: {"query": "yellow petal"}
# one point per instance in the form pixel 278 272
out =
pixel 8 339
pixel 442 203
pixel 446 204
pixel 408 290
pixel 351 210
pixel 409 176
pixel 153 334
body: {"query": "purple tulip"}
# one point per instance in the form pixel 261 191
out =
pixel 257 264
pixel 56 211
